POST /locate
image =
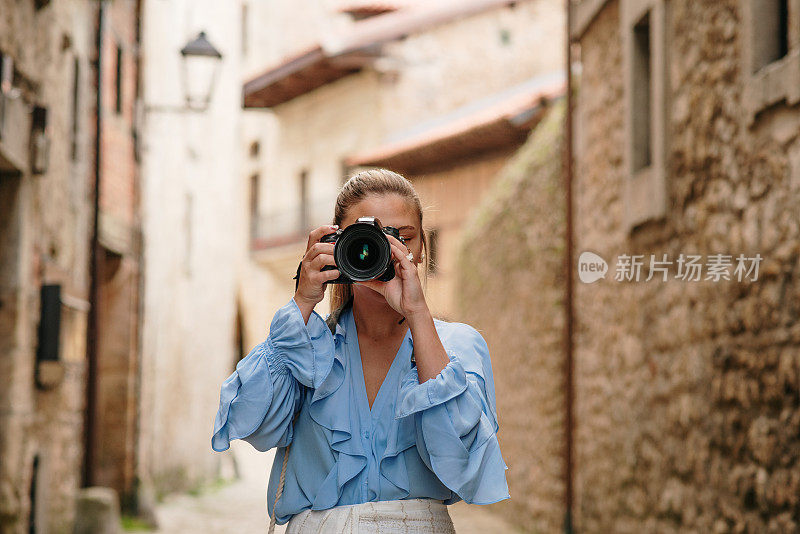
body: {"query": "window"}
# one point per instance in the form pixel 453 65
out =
pixel 642 155
pixel 770 55
pixel 303 201
pixel 241 351
pixel 75 108
pixel 645 64
pixel 49 345
pixel 118 79
pixel 187 232
pixel 6 72
pixel 433 250
pixel 770 32
pixel 254 205
pixel 244 32
pixel 40 143
pixel 6 78
pixel 255 149
pixel 34 523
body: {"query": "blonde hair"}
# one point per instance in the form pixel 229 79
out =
pixel 355 189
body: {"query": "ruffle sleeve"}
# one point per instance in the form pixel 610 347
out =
pixel 260 398
pixel 456 420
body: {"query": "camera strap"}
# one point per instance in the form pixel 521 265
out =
pixel 296 277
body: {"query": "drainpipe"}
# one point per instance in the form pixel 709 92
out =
pixel 141 504
pixel 92 327
pixel 569 391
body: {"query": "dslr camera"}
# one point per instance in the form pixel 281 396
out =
pixel 362 251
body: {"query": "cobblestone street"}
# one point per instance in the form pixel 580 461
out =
pixel 239 507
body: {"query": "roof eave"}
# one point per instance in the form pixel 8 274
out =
pixel 482 139
pixel 322 63
pixel 303 74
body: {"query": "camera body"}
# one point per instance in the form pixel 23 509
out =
pixel 362 251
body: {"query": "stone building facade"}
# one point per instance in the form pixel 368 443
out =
pixel 687 384
pixel 70 248
pixel 113 377
pixel 46 157
pixel 688 142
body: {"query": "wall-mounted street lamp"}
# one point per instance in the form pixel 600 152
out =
pixel 200 68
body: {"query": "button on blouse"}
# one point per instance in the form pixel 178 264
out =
pixel 305 385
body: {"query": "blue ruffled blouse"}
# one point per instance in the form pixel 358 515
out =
pixel 433 440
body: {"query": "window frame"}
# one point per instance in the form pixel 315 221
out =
pixel 255 203
pixel 645 195
pixel 75 109
pixel 776 81
pixel 119 58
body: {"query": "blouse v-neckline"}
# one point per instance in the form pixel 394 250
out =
pixel 358 370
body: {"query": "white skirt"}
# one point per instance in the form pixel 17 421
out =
pixel 405 516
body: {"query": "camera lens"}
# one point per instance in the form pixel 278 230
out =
pixel 362 252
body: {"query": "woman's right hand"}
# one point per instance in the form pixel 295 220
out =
pixel 310 287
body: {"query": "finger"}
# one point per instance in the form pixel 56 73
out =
pixel 400 246
pixel 320 276
pixel 330 275
pixel 319 248
pixel 393 239
pixel 402 257
pixel 397 256
pixel 317 234
pixel 321 260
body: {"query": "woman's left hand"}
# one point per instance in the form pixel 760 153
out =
pixel 404 291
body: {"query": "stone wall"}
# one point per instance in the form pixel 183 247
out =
pixel 688 414
pixel 687 392
pixel 44 238
pixel 511 287
pixel 116 378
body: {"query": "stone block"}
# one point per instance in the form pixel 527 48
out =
pixel 98 512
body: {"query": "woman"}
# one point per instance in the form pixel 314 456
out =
pixel 390 412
